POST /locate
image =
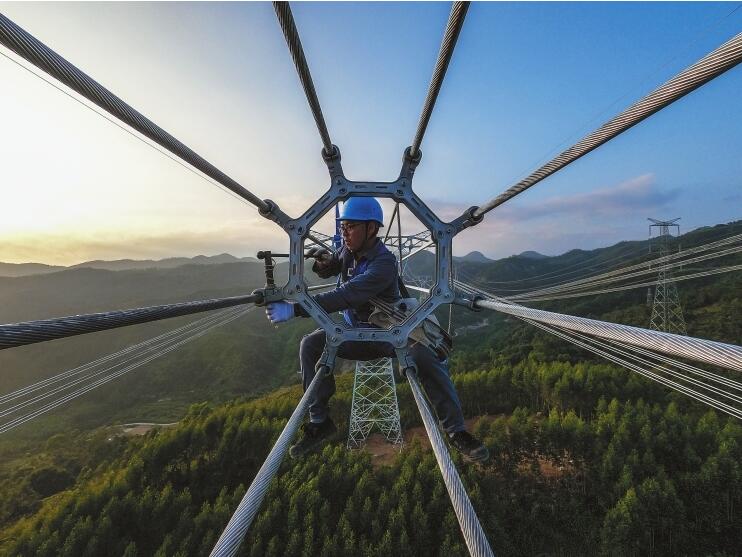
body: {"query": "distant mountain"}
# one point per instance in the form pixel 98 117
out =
pixel 27 269
pixel 474 257
pixel 533 255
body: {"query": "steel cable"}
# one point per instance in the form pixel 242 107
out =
pixel 87 388
pixel 29 332
pixel 623 274
pixel 288 26
pixel 232 536
pixel 682 365
pixel 712 65
pixel 709 401
pixel 674 259
pixel 74 377
pixel 712 352
pixel 476 541
pixel 563 271
pixel 28 47
pixel 570 334
pixel 451 35
pixel 579 294
pixel 629 352
pixel 86 367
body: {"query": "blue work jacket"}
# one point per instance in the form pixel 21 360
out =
pixel 373 273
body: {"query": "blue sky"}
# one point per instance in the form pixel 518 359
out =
pixel 527 80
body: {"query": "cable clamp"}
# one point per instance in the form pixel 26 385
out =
pixel 472 305
pixel 409 163
pixel 334 156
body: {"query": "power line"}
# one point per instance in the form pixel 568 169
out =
pixel 710 66
pixel 129 131
pixel 27 46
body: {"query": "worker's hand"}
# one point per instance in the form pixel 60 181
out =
pixel 322 257
pixel 278 312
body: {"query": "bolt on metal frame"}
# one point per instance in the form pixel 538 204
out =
pixel 341 189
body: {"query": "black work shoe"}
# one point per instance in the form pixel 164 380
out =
pixel 472 449
pixel 312 436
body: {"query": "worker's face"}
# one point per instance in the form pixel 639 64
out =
pixel 355 233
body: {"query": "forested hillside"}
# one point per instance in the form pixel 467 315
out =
pixel 588 457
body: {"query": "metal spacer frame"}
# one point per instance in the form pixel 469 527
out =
pixel 298 229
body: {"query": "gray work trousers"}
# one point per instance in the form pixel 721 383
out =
pixel 433 373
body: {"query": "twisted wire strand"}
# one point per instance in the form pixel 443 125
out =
pixel 232 536
pixel 682 365
pixel 93 369
pixel 623 274
pixel 87 366
pixel 670 260
pixel 472 530
pixel 451 35
pixel 578 267
pixel 288 26
pixel 665 260
pixel 571 336
pixel 691 276
pixel 708 351
pixel 709 401
pixel 28 47
pixel 629 352
pixel 29 332
pixel 712 65
pixel 87 388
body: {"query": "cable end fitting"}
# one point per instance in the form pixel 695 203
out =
pixel 270 207
pixel 472 218
pixel 259 297
pixel 473 302
pixel 409 159
pixel 334 156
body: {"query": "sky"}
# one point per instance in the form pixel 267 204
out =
pixel 526 81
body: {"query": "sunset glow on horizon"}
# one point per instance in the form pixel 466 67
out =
pixel 219 78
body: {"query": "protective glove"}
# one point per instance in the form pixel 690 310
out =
pixel 278 312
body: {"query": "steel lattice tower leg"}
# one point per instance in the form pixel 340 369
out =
pixel 374 403
pixel 667 314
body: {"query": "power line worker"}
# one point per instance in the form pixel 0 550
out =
pixel 367 270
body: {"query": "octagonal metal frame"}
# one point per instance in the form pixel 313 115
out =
pixel 400 190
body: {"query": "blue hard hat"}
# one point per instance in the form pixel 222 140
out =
pixel 363 209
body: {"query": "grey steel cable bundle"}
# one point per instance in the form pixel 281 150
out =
pixel 580 293
pixel 288 26
pixel 673 259
pixel 115 375
pixel 87 371
pixel 707 68
pixel 232 536
pixel 647 267
pixel 548 277
pixel 476 541
pixel 708 351
pixel 451 35
pixel 616 352
pixel 30 332
pixel 709 401
pixel 125 352
pixel 27 46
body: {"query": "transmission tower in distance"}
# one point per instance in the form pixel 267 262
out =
pixel 374 403
pixel 667 315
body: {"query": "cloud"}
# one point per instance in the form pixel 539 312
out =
pixel 637 194
pixel 557 224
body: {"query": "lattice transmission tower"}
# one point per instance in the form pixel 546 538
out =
pixel 374 404
pixel 667 314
